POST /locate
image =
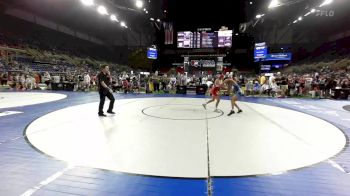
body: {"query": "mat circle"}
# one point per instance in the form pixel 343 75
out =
pixel 196 112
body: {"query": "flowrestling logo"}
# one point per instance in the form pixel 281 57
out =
pixel 324 13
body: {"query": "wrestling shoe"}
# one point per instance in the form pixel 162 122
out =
pixel 231 112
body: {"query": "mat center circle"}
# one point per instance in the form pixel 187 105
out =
pixel 181 112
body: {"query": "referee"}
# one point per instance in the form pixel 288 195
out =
pixel 104 80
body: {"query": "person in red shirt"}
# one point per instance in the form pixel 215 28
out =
pixel 215 93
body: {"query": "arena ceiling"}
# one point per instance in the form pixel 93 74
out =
pixel 295 19
pixel 186 15
pixel 189 15
pixel 73 14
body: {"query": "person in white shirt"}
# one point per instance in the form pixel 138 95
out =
pixel 56 79
pixel 55 82
pixel 271 79
pixel 87 81
pixel 22 79
pixel 47 79
pixel 172 82
pixel 29 82
pixel 204 80
pixel 265 88
pixel 184 80
pixel 209 83
pixel 275 89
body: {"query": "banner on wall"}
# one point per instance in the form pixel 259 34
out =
pixel 277 57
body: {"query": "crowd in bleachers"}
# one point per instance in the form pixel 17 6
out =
pixel 24 71
pixel 21 75
pixel 318 84
pixel 29 64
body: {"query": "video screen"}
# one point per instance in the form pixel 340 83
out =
pixel 217 39
pixel 152 53
pixel 260 50
pixel 197 40
pixel 225 38
pixel 265 68
pixel 208 39
pixel 185 39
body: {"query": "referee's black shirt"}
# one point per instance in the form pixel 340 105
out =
pixel 105 78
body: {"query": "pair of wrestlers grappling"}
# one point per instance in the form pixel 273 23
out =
pixel 224 84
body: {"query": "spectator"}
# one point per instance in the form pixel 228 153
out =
pixel 155 81
pixel 172 82
pixel 4 79
pixel 56 80
pixel 47 79
pixel 87 81
pixel 164 81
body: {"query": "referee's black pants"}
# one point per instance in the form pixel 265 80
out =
pixel 103 96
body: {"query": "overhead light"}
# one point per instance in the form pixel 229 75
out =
pixel 313 10
pixel 295 21
pixel 146 12
pixel 114 18
pixel 126 26
pixel 152 19
pixel 102 10
pixel 326 2
pixel 88 2
pixel 274 3
pixel 158 20
pixel 307 14
pixel 259 16
pixel 144 9
pixel 236 33
pixel 122 24
pixel 139 4
pixel 300 18
pixel 251 3
pixel 165 11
